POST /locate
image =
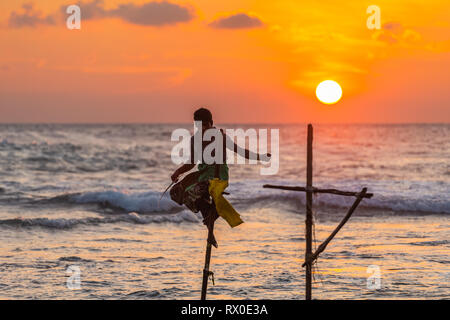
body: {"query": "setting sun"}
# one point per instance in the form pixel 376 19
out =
pixel 329 92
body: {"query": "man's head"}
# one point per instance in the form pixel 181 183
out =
pixel 205 116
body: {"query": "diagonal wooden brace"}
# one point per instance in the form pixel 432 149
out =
pixel 324 244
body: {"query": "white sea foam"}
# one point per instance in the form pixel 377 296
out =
pixel 146 202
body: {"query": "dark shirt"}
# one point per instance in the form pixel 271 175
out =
pixel 205 144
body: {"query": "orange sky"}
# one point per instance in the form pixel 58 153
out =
pixel 127 64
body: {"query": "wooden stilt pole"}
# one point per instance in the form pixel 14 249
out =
pixel 206 272
pixel 309 217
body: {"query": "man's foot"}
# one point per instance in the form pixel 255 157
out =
pixel 212 240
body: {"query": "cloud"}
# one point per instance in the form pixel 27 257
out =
pixel 395 32
pixel 90 10
pixel 29 17
pixel 147 14
pixel 153 13
pixel 156 13
pixel 237 21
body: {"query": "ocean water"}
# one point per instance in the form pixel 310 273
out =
pixel 87 198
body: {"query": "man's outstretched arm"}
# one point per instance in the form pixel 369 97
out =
pixel 247 154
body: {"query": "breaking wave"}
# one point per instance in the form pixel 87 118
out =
pixel 380 202
pixel 120 202
pixel 401 196
pixel 409 199
pixel 63 223
pixel 147 202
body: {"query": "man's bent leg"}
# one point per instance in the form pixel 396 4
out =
pixel 210 215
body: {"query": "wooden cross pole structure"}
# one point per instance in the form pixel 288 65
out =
pixel 310 257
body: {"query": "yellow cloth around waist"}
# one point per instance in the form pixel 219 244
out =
pixel 224 208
